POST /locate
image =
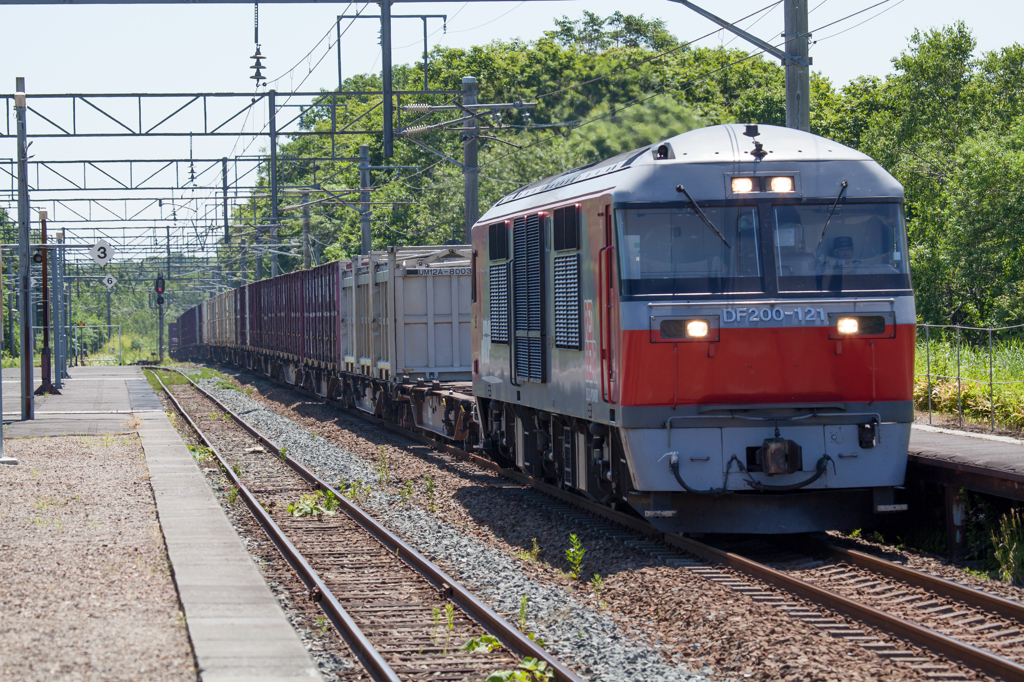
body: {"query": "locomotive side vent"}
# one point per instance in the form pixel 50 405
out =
pixel 528 298
pixel 499 303
pixel 567 302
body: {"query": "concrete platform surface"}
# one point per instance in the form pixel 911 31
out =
pixel 975 449
pixel 94 401
pixel 238 629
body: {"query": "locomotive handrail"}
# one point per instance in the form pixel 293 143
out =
pixel 604 290
pixel 772 301
pixel 877 417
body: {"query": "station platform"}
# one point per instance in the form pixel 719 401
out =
pixel 984 463
pixel 237 628
pixel 94 401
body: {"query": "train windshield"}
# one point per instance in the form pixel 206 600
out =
pixel 855 247
pixel 672 250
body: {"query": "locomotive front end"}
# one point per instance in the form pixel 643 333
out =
pixel 766 332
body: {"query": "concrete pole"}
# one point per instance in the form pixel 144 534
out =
pixel 385 59
pixel 364 199
pixel 46 357
pixel 306 256
pixel 28 405
pixel 224 176
pixel 470 174
pixel 275 269
pixel 798 77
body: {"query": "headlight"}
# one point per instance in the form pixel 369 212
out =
pixel 782 184
pixel 847 325
pixel 742 185
pixel 697 329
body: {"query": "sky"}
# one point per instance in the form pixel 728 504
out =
pixel 180 48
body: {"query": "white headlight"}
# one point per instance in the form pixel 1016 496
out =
pixel 847 325
pixel 782 184
pixel 697 329
pixel 742 185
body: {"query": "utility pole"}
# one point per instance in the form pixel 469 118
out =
pixel 59 321
pixel 470 172
pixel 794 58
pixel 224 176
pixel 364 199
pixel 798 75
pixel 46 383
pixel 385 60
pixel 275 270
pixel 25 293
pixel 306 258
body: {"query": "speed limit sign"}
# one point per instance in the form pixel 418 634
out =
pixel 101 252
pixel 109 281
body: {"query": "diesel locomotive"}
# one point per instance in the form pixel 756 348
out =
pixel 715 331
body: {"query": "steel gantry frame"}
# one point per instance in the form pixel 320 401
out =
pixel 196 107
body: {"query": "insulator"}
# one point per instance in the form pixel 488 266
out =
pixel 423 108
pixel 418 130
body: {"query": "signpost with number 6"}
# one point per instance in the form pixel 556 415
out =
pixel 102 253
pixel 110 281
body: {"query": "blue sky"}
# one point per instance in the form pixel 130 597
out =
pixel 206 48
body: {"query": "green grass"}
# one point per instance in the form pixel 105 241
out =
pixel 1007 393
pixel 169 379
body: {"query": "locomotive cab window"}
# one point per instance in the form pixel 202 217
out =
pixel 854 247
pixel 672 250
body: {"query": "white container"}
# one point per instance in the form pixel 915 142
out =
pixel 406 311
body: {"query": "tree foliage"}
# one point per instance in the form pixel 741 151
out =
pixel 947 123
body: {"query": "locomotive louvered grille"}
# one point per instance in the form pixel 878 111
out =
pixel 530 358
pixel 567 302
pixel 534 300
pixel 519 275
pixel 528 298
pixel 499 303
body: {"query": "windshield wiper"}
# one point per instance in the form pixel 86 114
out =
pixel 680 188
pixel 827 220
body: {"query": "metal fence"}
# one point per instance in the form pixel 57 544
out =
pixel 972 341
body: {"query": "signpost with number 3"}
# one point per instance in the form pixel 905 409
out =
pixel 102 253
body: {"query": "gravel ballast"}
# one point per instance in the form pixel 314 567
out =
pixel 692 622
pixel 85 586
pixel 586 640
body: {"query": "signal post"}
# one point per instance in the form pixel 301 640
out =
pixel 159 286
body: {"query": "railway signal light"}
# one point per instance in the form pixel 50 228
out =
pixel 159 285
pixel 159 300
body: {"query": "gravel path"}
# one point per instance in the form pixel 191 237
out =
pixel 86 589
pixel 585 639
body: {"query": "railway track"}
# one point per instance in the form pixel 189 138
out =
pixel 943 630
pixel 401 616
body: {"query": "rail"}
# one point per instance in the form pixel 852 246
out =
pixel 495 624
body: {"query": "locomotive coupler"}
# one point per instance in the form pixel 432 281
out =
pixel 779 456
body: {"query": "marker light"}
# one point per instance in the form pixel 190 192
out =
pixel 742 185
pixel 782 183
pixel 697 328
pixel 847 325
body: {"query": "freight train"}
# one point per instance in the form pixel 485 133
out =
pixel 715 332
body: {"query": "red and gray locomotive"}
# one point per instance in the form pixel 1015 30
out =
pixel 716 331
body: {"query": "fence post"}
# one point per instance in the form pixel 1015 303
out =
pixel 959 392
pixel 991 392
pixel 928 359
